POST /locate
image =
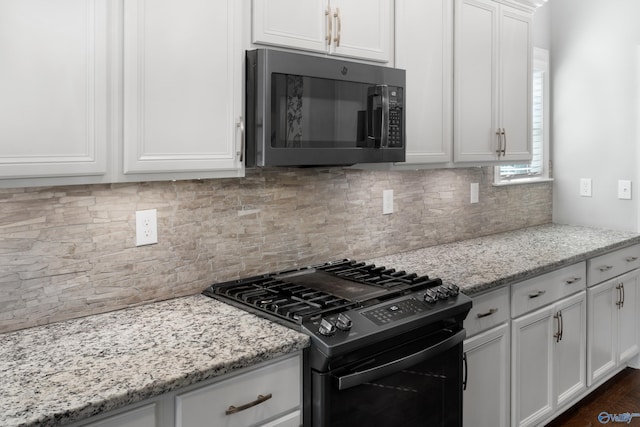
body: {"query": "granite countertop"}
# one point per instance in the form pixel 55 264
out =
pixel 484 263
pixel 68 371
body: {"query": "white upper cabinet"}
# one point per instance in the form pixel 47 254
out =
pixel 53 89
pixel 492 82
pixel 182 87
pixel 93 91
pixel 424 48
pixel 351 28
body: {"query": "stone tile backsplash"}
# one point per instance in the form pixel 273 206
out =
pixel 67 252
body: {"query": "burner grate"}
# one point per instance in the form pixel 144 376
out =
pixel 286 300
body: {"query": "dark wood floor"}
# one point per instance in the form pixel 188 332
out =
pixel 619 395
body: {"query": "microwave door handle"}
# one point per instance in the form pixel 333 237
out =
pixel 351 380
pixel 384 128
pixel 371 114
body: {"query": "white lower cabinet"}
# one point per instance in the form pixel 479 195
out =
pixel 548 359
pixel 613 325
pixel 486 391
pixel 244 400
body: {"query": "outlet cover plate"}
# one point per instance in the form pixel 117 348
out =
pixel 146 227
pixel 387 202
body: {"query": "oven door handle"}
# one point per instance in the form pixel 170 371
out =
pixel 372 374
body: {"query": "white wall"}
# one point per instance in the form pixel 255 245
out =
pixel 595 74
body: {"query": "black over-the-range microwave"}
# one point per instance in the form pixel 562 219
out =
pixel 304 110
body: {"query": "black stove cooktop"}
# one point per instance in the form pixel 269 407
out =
pixel 301 294
pixel 345 304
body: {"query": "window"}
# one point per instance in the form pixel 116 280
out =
pixel 538 169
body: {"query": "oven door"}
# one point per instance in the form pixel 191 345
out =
pixel 415 384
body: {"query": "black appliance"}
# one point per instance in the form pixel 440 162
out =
pixel 304 110
pixel 386 345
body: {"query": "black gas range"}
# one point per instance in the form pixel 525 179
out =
pixel 369 326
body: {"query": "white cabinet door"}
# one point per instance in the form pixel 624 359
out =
pixel 362 28
pixel 492 93
pixel 570 348
pixel 140 417
pixel 424 48
pixel 532 367
pixel 486 395
pixel 475 80
pixel 182 84
pixel 291 23
pixel 628 318
pixel 516 80
pixel 352 28
pixel 613 325
pixel 549 359
pixel 53 88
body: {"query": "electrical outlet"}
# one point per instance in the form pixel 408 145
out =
pixel 475 192
pixel 387 202
pixel 585 187
pixel 146 227
pixel 624 189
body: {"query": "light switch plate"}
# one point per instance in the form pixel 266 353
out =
pixel 585 187
pixel 624 189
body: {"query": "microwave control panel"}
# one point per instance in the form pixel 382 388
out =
pixel 395 117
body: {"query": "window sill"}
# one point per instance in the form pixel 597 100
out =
pixel 522 181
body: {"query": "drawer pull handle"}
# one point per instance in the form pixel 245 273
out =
pixel 488 313
pixel 605 268
pixel 537 294
pixel 631 258
pixel 235 409
pixel 573 280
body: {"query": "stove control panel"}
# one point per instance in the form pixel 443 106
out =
pixel 394 311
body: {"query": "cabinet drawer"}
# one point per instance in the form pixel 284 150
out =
pixel 488 310
pixel 613 264
pixel 542 290
pixel 208 405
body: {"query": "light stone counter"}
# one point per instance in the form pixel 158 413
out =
pixel 484 263
pixel 68 371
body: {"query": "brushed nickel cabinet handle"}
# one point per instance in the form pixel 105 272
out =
pixel 329 18
pixel 631 258
pixel 620 300
pixel 499 133
pixel 537 294
pixel 504 137
pixel 573 280
pixel 487 313
pixel 605 268
pixel 336 15
pixel 558 335
pixel 235 409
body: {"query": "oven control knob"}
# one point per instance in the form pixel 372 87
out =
pixel 430 296
pixel 442 293
pixel 327 328
pixel 343 322
pixel 453 290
